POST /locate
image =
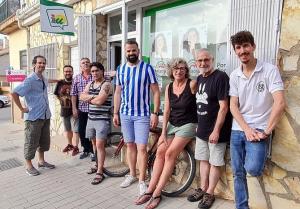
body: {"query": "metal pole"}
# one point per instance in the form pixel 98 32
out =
pixel 124 29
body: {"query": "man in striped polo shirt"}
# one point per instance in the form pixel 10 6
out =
pixel 134 80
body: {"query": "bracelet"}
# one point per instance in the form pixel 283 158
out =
pixel 116 113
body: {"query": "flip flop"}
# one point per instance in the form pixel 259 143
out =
pixel 92 170
pixel 98 179
pixel 143 198
pixel 154 202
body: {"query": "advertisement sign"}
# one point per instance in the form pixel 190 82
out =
pixel 15 75
pixel 56 18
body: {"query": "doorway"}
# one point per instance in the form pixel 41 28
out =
pixel 115 55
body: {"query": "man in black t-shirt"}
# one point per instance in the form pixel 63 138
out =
pixel 214 125
pixel 62 91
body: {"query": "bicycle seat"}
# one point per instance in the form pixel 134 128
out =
pixel 156 130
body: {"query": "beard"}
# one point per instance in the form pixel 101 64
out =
pixel 68 78
pixel 203 70
pixel 132 59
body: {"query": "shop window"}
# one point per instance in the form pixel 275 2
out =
pixel 181 28
pixel 115 23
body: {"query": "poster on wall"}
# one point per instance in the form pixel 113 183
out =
pixel 192 39
pixel 221 53
pixel 161 51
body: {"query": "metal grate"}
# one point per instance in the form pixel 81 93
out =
pixel 10 163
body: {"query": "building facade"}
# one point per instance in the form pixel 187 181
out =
pixel 166 29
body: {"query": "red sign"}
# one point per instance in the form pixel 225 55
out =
pixel 15 75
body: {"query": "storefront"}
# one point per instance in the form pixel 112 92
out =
pixel 168 29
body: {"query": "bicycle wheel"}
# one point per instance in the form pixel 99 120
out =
pixel 115 165
pixel 182 175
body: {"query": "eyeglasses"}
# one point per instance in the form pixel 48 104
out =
pixel 179 68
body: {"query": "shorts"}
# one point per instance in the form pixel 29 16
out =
pixel 98 129
pixel 37 137
pixel 70 124
pixel 135 128
pixel 187 130
pixel 214 153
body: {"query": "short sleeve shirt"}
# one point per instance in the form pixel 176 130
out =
pixel 255 93
pixel 78 85
pixel 211 90
pixel 62 91
pixel 135 88
pixel 34 91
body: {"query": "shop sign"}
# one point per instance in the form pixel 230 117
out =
pixel 15 75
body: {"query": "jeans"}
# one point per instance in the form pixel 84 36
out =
pixel 246 157
pixel 85 142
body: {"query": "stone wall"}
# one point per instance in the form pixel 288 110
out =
pixel 279 187
pixel 101 39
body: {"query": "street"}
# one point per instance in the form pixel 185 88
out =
pixel 66 186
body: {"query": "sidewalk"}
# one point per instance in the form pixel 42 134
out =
pixel 67 186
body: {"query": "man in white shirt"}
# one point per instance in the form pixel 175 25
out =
pixel 256 103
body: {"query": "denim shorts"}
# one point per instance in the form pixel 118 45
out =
pixel 98 129
pixel 185 131
pixel 214 153
pixel 135 128
pixel 70 124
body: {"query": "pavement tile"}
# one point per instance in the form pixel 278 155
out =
pixel 67 186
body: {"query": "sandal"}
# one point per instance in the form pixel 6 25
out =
pixel 143 198
pixel 154 202
pixel 92 170
pixel 98 179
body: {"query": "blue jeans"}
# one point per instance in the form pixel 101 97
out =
pixel 246 157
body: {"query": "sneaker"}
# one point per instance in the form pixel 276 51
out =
pixel 142 187
pixel 196 196
pixel 207 201
pixel 75 151
pixel 46 165
pixel 68 148
pixel 128 181
pixel 32 171
pixel 83 155
pixel 93 157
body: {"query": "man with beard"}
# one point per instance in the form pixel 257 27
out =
pixel 80 108
pixel 62 92
pixel 36 115
pixel 256 103
pixel 214 125
pixel 134 80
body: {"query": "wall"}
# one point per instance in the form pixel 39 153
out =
pixel 279 187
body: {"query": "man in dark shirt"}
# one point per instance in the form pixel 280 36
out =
pixel 214 124
pixel 62 91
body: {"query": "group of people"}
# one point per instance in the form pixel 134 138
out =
pixel 203 108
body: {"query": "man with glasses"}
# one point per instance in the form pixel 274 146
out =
pixel 36 115
pixel 62 92
pixel 214 125
pixel 134 80
pixel 80 108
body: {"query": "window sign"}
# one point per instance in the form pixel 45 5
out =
pixel 179 29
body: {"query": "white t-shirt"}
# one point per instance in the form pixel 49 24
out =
pixel 255 93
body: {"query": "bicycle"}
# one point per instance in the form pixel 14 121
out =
pixel 182 175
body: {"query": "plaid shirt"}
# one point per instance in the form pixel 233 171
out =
pixel 78 86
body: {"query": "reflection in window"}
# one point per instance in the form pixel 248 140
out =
pixel 115 23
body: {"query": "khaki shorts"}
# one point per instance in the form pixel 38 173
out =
pixel 70 124
pixel 37 137
pixel 214 153
pixel 187 131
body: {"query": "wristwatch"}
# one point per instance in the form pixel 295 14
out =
pixel 156 113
